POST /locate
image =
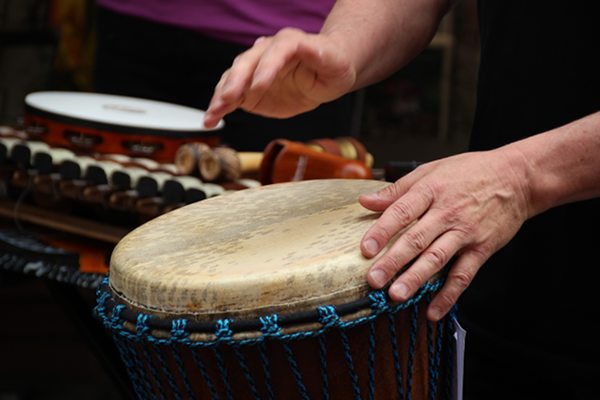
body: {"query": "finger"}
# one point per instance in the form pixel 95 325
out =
pixel 240 75
pixel 401 213
pixel 380 200
pixel 259 39
pixel 212 117
pixel 409 245
pixel 431 261
pixel 282 48
pixel 459 278
pixel 277 62
pixel 260 89
pixel 229 91
pixel 217 108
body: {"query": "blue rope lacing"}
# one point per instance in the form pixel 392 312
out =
pixel 270 329
pixel 141 329
pixel 223 334
pixel 179 332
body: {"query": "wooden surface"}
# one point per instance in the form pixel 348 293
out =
pixel 62 221
pixel 281 247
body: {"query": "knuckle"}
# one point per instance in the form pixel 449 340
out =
pixel 391 265
pixel 460 279
pixel 451 216
pixel 437 257
pixel 429 190
pixel 390 191
pixel 238 60
pixel 260 39
pixel 465 230
pixel 445 299
pixel 289 31
pixel 481 252
pixel 413 279
pixel 401 212
pixel 416 240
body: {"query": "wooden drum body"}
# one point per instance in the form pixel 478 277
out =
pixel 262 294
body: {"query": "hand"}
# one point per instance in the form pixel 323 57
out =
pixel 282 76
pixel 466 206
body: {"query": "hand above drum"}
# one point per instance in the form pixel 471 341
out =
pixel 282 76
pixel 466 206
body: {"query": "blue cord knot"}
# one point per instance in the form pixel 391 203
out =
pixel 115 320
pixel 101 303
pixel 179 329
pixel 270 325
pixel 327 316
pixel 223 331
pixel 103 283
pixel 141 326
pixel 378 301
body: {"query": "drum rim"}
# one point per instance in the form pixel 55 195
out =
pixel 374 303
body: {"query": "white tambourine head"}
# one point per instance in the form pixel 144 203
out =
pixel 120 110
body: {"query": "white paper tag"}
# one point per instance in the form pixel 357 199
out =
pixel 459 361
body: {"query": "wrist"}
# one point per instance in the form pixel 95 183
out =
pixel 522 175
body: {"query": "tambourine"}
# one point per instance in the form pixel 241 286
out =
pixel 103 123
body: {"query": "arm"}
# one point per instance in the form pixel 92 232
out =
pixel 362 41
pixel 563 165
pixel 382 36
pixel 470 205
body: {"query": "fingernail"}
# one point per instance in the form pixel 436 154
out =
pixel 372 246
pixel 399 291
pixel 379 277
pixel 372 196
pixel 208 120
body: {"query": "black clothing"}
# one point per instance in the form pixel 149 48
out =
pixel 140 58
pixel 530 312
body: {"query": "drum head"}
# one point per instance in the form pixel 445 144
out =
pixel 118 111
pixel 278 248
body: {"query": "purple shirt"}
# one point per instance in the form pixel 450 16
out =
pixel 238 21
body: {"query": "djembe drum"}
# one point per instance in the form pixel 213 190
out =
pixel 262 294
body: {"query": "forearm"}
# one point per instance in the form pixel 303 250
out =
pixel 381 36
pixel 561 165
